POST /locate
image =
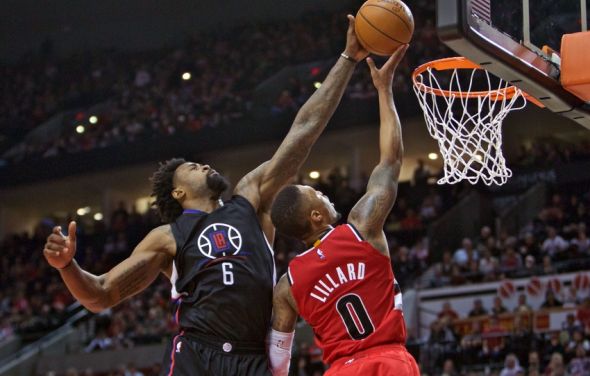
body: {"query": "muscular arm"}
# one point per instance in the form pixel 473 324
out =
pixel 261 185
pixel 284 307
pixel 132 275
pixel 371 211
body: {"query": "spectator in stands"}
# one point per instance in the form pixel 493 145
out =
pixel 478 309
pixel 556 366
pixel 448 312
pixel 522 338
pixel 571 325
pixel 551 300
pixel 510 261
pixel 529 246
pixel 419 253
pixel 534 364
pixel 493 340
pixel 577 340
pixel 498 308
pixel 101 342
pixel 471 344
pixel 449 368
pixel 464 254
pixel 581 242
pixel 554 346
pixel 554 245
pixel 488 265
pixel 580 364
pixel 511 366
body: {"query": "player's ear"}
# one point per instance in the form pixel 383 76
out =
pixel 316 216
pixel 178 193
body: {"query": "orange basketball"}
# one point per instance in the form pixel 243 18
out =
pixel 382 25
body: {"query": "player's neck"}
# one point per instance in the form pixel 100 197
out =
pixel 204 205
pixel 317 234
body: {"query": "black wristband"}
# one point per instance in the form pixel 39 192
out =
pixel 348 58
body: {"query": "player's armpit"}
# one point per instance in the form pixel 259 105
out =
pixel 284 307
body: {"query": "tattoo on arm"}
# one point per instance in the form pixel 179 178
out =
pixel 371 211
pixel 132 280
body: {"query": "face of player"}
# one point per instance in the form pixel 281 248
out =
pixel 316 200
pixel 197 180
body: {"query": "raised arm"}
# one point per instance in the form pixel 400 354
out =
pixel 260 185
pixel 370 212
pixel 154 254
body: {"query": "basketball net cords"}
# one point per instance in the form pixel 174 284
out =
pixel 468 154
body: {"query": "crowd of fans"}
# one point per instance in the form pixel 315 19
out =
pixel 551 153
pixel 556 240
pixel 500 339
pixel 165 92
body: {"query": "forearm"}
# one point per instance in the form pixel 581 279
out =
pixel 390 133
pixel 85 287
pixel 319 108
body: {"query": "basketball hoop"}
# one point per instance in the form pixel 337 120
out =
pixel 467 123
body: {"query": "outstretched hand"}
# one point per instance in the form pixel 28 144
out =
pixel 354 49
pixel 383 77
pixel 59 249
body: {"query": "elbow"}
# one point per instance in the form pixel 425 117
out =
pixel 96 306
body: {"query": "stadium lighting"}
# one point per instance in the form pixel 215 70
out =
pixel 98 217
pixel 314 175
pixel 317 84
pixel 93 119
pixel 479 157
pixel 432 156
pixel 83 211
pixel 80 129
pixel 186 76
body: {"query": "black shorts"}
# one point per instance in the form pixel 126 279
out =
pixel 191 355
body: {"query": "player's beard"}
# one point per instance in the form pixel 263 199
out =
pixel 217 184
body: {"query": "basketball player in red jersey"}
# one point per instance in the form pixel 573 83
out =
pixel 343 286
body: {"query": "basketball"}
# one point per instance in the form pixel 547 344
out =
pixel 382 25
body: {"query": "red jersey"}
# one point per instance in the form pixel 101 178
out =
pixel 345 289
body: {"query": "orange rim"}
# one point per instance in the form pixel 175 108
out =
pixel 460 62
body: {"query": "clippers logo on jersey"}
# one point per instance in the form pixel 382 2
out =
pixel 218 240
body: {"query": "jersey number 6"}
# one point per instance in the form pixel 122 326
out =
pixel 228 275
pixel 355 317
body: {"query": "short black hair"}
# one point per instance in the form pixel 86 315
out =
pixel 288 213
pixel 162 185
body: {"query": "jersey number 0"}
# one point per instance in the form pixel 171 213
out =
pixel 355 317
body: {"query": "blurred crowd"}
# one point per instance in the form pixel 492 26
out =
pixel 555 241
pixel 494 339
pixel 152 94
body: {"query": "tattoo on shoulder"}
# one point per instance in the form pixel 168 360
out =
pixel 130 281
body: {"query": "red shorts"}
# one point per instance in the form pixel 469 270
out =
pixel 378 361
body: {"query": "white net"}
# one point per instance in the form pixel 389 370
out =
pixel 467 124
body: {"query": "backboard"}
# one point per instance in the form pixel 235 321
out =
pixel 506 37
